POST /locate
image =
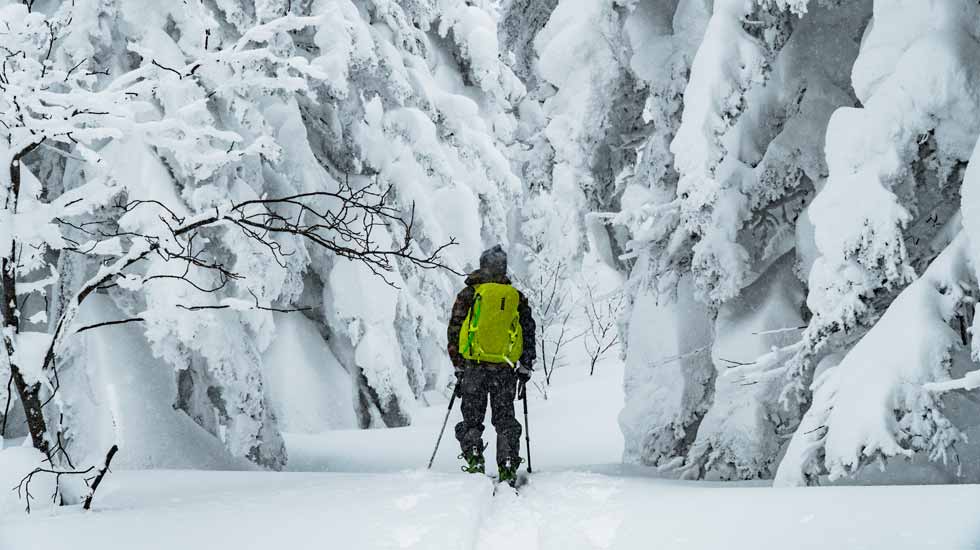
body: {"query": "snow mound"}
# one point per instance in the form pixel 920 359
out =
pixel 15 463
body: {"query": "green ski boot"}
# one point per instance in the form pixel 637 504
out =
pixel 474 463
pixel 508 471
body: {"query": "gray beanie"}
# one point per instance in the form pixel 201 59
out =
pixel 494 260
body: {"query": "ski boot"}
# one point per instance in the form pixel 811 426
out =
pixel 508 471
pixel 474 462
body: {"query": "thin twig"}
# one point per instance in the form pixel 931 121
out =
pixel 110 323
pixel 736 363
pixel 175 71
pixel 779 330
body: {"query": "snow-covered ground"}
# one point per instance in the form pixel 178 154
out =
pixel 368 490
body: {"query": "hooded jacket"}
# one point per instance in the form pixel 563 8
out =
pixel 464 301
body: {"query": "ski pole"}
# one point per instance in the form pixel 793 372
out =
pixel 449 409
pixel 527 429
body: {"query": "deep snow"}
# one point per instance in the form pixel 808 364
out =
pixel 378 496
pixel 562 511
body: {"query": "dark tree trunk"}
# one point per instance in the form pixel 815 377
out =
pixel 30 394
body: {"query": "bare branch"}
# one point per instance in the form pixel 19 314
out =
pixel 175 71
pixel 87 505
pixel 345 228
pixel 735 363
pixel 23 488
pixel 250 308
pixel 109 324
pixel 778 330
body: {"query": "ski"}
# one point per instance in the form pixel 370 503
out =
pixel 520 481
pixel 496 485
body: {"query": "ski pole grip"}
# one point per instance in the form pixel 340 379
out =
pixel 457 390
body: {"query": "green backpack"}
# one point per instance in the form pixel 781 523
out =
pixel 491 332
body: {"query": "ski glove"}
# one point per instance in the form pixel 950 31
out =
pixel 458 390
pixel 523 373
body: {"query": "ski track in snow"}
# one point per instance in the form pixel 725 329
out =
pixel 559 511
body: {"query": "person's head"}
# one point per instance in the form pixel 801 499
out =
pixel 494 260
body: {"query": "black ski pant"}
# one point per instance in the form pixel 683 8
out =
pixel 500 384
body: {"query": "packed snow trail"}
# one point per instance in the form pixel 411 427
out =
pixel 393 503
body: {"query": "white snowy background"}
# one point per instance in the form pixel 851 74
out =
pixel 745 228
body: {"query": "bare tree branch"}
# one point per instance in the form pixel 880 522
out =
pixel 175 71
pixel 87 505
pixel 602 315
pixel 23 488
pixel 109 324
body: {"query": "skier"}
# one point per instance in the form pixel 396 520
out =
pixel 491 345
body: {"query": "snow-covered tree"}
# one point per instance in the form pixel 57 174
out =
pixel 573 127
pixel 667 334
pixel 815 172
pixel 778 139
pixel 890 209
pixel 748 158
pixel 713 204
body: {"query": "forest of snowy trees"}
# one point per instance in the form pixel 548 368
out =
pixel 800 220
pixel 784 186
